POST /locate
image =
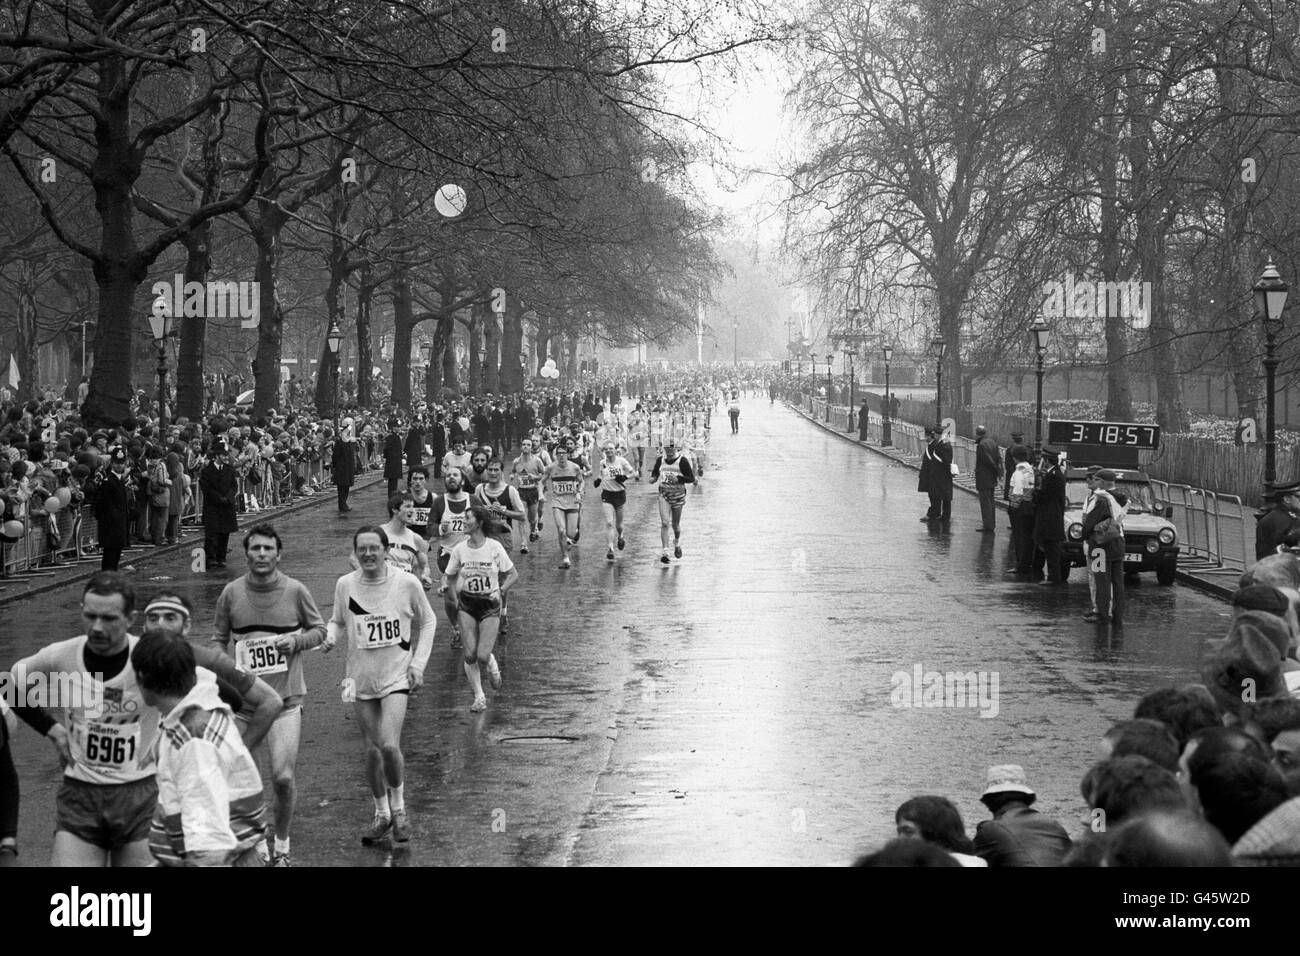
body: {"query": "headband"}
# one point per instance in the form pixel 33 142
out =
pixel 165 605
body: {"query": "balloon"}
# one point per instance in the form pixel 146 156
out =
pixel 450 200
pixel 52 504
pixel 12 529
pixel 65 497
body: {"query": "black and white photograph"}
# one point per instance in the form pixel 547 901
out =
pixel 798 434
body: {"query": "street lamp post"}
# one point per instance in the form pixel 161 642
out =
pixel 735 344
pixel 938 346
pixel 812 378
pixel 333 339
pixel 160 321
pixel 830 357
pixel 1270 298
pixel 1042 332
pixel 886 428
pixel 849 353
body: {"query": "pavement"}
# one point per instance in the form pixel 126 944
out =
pixel 751 704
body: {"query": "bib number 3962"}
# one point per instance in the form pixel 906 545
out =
pixel 260 656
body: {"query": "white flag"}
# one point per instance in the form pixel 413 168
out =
pixel 13 372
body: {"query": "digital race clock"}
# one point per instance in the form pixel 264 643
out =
pixel 1110 434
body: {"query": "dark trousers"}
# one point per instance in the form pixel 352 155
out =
pixel 215 544
pixel 1022 532
pixel 1110 590
pixel 343 497
pixel 1051 552
pixel 392 486
pixel 110 556
pixel 988 514
pixel 735 421
pixel 940 506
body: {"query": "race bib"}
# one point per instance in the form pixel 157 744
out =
pixel 527 480
pixel 453 523
pixel 376 630
pixel 260 656
pixel 478 584
pixel 112 745
pixel 565 486
pixel 420 516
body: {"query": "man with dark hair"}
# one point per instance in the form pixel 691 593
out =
pixel 1165 838
pixel 392 457
pixel 220 486
pixel 1183 710
pixel 1017 835
pixel 1234 791
pixel 1145 738
pixel 209 810
pixel 1124 787
pixel 907 852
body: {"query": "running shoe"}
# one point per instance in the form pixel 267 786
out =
pixel 479 705
pixel 621 542
pixel 568 542
pixel 677 551
pixel 532 536
pixel 576 536
pixel 378 829
pixel 523 549
pixel 494 672
pixel 663 559
pixel 609 555
pixel 401 827
pixel 281 859
pixel 566 563
pixel 505 623
pixel 455 640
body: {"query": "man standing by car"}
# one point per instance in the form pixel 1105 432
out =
pixel 988 469
pixel 1277 520
pixel 1049 514
pixel 1103 547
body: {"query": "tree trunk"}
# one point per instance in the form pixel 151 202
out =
pixel 194 329
pixel 512 344
pixel 26 348
pixel 541 343
pixel 403 328
pixel 270 329
pixel 446 334
pixel 474 348
pixel 571 365
pixel 491 352
pixel 118 269
pixel 1119 398
pixel 365 358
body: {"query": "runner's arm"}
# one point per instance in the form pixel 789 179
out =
pixel 422 645
pixel 309 619
pixel 688 474
pixel 336 626
pixel 221 623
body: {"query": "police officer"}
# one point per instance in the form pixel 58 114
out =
pixel 1277 519
pixel 219 483
pixel 1049 515
pixel 113 505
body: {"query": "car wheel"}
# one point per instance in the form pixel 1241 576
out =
pixel 1165 572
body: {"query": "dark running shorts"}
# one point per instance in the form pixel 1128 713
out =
pixel 528 496
pixel 479 607
pixel 616 498
pixel 444 558
pixel 108 816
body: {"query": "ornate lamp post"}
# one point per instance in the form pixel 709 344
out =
pixel 1270 299
pixel 1042 333
pixel 160 325
pixel 886 429
pixel 334 339
pixel 938 346
pixel 849 353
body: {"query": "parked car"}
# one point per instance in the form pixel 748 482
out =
pixel 1150 538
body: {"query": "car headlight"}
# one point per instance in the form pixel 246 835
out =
pixel 1152 545
pixel 1167 536
pixel 1076 532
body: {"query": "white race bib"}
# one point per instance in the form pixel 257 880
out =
pixel 259 655
pixel 376 630
pixel 116 746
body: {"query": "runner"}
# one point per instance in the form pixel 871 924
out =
pixel 102 733
pixel 639 432
pixel 733 410
pixel 565 479
pixel 673 472
pixel 507 510
pixel 477 472
pixel 448 516
pixel 474 578
pixel 417 479
pixel 407 551
pixel 527 472
pixel 614 472
pixel 273 620
pixel 385 618
pixel 457 458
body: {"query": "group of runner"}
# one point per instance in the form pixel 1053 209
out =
pixel 158 733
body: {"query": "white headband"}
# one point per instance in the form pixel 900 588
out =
pixel 165 605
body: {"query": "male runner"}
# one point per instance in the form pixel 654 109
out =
pixel 614 473
pixel 527 472
pixel 673 472
pixel 457 458
pixel 477 472
pixel 273 620
pixel 639 433
pixel 417 479
pixel 407 551
pixel 507 510
pixel 102 732
pixel 388 625
pixel 565 479
pixel 448 517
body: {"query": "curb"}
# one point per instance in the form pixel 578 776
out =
pixel 85 571
pixel 1182 577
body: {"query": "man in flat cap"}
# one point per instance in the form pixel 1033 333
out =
pixel 1105 557
pixel 1281 516
pixel 988 469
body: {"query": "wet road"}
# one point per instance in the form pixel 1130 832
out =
pixel 738 707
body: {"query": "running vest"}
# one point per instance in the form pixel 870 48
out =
pixel 565 489
pixel 451 522
pixel 612 474
pixel 670 477
pixel 529 473
pixel 402 550
pixel 420 520
pixel 478 570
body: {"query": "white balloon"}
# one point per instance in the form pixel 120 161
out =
pixel 450 200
